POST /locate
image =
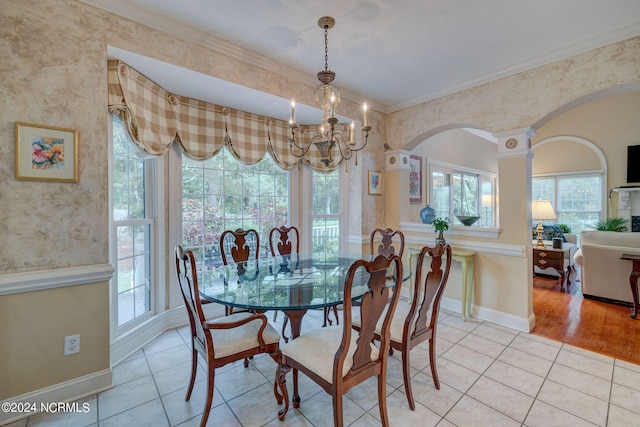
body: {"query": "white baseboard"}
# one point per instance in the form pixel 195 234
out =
pixel 501 318
pixel 67 391
pixel 132 341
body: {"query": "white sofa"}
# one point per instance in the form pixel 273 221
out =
pixel 570 249
pixel 603 274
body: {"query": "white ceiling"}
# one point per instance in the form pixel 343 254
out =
pixel 394 53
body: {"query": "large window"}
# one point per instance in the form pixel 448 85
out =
pixel 577 199
pixel 133 228
pixel 459 191
pixel 223 194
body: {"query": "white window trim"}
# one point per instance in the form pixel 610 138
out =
pixel 605 199
pixel 307 200
pixel 461 230
pixel 157 247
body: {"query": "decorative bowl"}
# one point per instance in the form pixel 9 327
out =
pixel 467 220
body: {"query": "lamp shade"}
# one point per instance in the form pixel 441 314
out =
pixel 542 209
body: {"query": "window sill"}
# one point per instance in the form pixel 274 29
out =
pixel 454 230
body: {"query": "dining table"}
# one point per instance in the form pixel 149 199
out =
pixel 292 284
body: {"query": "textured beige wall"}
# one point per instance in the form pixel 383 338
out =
pixel 521 100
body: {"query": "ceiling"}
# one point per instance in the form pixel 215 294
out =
pixel 394 54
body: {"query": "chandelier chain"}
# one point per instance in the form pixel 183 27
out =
pixel 326 48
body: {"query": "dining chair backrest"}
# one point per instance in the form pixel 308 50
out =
pixel 188 281
pixel 284 240
pixel 427 295
pixel 355 359
pixel 239 245
pixel 378 303
pixel 386 242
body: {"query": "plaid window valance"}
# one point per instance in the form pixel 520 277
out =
pixel 156 118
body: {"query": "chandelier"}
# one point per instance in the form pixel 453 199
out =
pixel 330 133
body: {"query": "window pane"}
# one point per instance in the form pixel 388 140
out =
pixel 486 201
pixel 326 213
pixel 543 189
pixel 223 194
pixel 465 195
pixel 440 193
pixel 132 278
pixel 133 274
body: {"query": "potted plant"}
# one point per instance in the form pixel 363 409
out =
pixel 565 228
pixel 440 225
pixel 615 223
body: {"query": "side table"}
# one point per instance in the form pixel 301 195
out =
pixel 550 258
pixel 633 281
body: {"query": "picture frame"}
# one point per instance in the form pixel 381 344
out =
pixel 46 153
pixel 375 183
pixel 415 179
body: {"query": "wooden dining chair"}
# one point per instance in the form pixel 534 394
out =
pixel 418 322
pixel 238 246
pixel 339 357
pixel 384 242
pixel 233 338
pixel 284 241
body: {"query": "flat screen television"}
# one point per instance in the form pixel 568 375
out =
pixel 633 164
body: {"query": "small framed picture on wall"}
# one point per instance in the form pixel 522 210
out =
pixel 46 153
pixel 375 183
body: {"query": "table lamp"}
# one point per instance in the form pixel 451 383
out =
pixel 541 210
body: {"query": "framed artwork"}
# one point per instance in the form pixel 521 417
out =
pixel 46 153
pixel 375 183
pixel 415 179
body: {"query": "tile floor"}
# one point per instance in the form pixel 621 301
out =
pixel 489 375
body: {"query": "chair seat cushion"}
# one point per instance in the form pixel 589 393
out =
pixel 316 350
pixel 397 323
pixel 241 338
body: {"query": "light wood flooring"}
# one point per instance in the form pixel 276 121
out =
pixel 598 326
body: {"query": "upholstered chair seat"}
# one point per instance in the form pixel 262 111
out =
pixel 305 351
pixel 242 338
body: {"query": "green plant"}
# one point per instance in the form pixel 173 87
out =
pixel 615 223
pixel 441 224
pixel 565 228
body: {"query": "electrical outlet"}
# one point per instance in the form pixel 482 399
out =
pixel 71 344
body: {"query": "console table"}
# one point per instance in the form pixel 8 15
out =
pixel 633 280
pixel 550 258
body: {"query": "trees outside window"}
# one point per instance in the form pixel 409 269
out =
pixel 223 194
pixel 133 228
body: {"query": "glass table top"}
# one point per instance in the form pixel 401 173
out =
pixel 303 281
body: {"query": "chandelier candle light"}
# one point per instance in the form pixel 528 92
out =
pixel 327 136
